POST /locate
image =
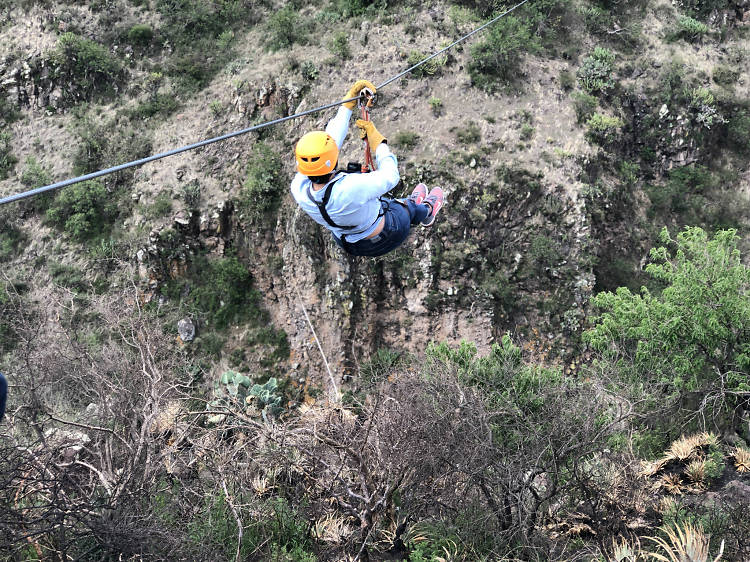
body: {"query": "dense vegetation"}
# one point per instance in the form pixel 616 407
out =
pixel 162 409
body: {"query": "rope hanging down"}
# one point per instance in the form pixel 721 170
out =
pixel 203 143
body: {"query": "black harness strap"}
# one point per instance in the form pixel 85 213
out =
pixel 322 204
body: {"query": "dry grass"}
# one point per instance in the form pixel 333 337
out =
pixel 741 459
pixel 685 448
pixel 672 483
pixel 696 472
pixel 684 544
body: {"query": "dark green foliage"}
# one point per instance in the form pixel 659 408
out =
pixel 595 74
pixel 275 339
pixel 690 29
pixel 496 60
pixel 725 75
pixel 196 30
pixel 284 29
pixel 468 134
pixel 738 130
pixel 567 80
pixel 264 184
pixel 160 207
pixel 33 174
pixel 7 160
pixel 140 35
pixel 584 105
pixel 83 210
pixel 274 532
pixel 430 68
pixel 8 112
pixel 406 139
pixel 85 69
pixel 339 45
pixel 108 144
pixel 694 335
pixel 8 335
pixel 159 104
pixel 11 235
pixel 603 130
pixel 67 276
pixel 218 291
pixel 695 195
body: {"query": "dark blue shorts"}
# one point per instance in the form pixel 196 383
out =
pixel 399 219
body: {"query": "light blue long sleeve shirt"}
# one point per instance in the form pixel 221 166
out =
pixel 354 198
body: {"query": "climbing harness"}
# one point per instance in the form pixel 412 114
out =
pixel 367 99
pixel 203 143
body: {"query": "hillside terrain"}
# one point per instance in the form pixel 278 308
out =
pixel 559 369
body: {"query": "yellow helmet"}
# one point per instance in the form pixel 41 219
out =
pixel 316 154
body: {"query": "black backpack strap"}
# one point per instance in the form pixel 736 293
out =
pixel 322 204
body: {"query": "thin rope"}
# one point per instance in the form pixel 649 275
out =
pixel 203 143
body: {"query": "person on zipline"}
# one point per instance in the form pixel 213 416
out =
pixel 351 205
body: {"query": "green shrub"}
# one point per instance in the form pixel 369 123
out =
pixel 595 73
pixel 85 69
pixel 527 131
pixel 140 35
pixel 309 71
pixel 702 105
pixel 469 134
pixel 432 67
pixel 603 130
pixel 11 237
pixel 436 105
pixel 160 207
pixel 406 139
pixel 725 75
pixel 67 276
pixel 8 111
pixel 693 336
pixel 690 29
pixel 34 175
pixel 567 80
pixel 83 210
pixel 585 105
pixel 284 29
pixel 738 130
pixel 261 192
pixel 158 104
pixel 7 160
pixel 217 291
pixel 496 59
pixel 339 45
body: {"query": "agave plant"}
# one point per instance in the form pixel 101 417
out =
pixel 741 459
pixel 684 544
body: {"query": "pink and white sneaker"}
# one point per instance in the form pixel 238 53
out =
pixel 419 193
pixel 435 201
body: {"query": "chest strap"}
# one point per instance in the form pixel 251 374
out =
pixel 322 204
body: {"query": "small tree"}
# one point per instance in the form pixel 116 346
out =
pixel 693 336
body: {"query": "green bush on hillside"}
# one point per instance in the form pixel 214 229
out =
pixel 261 192
pixel 595 74
pixel 694 336
pixel 7 160
pixel 496 60
pixel 85 69
pixel 83 210
pixel 603 130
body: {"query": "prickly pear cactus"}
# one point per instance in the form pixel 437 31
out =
pixel 233 391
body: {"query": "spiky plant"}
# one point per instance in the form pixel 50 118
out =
pixel 332 529
pixel 696 473
pixel 685 543
pixel 672 483
pixel 652 468
pixel 624 551
pixel 741 459
pixel 683 448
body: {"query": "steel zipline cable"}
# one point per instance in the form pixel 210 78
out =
pixel 206 142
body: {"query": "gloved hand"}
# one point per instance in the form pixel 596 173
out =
pixel 368 131
pixel 354 91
